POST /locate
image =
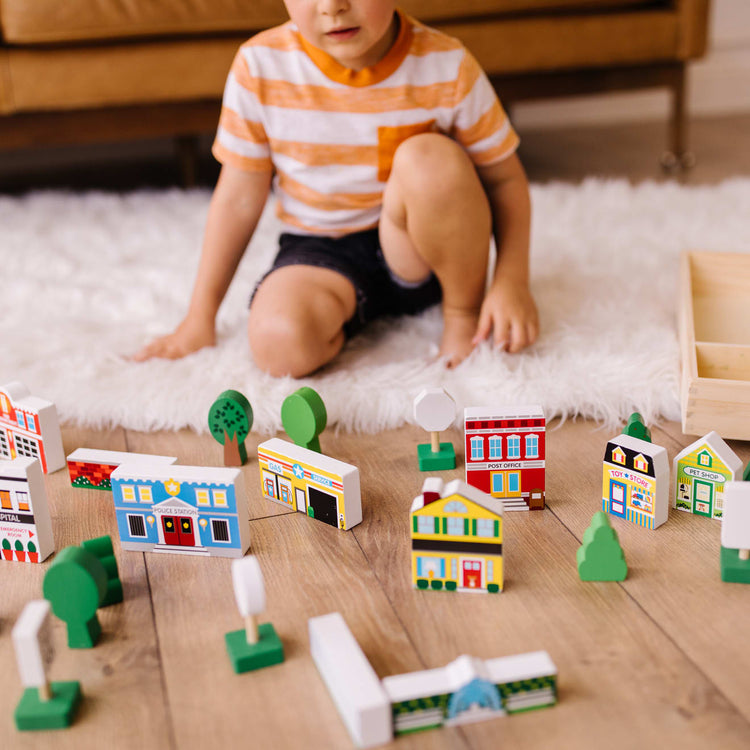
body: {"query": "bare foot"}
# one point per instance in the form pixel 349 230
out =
pixel 459 327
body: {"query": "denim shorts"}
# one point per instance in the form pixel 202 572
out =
pixel 358 257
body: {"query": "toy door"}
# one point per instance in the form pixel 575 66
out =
pixel 300 499
pixel 169 527
pixel 472 573
pixel 178 531
pixel 286 491
pixel 323 506
pixel 703 495
pixel 186 531
pixel 617 494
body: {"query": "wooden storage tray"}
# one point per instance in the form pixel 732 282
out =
pixel 715 343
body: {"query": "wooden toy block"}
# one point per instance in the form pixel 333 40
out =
pixel 79 582
pixel 715 349
pixel 456 538
pixel 636 428
pixel 25 521
pixel 29 427
pixel 469 690
pixel 304 480
pixel 600 557
pixel 43 705
pixel 230 419
pixel 75 585
pixel 635 482
pixel 304 417
pixel 356 690
pixel 434 411
pixel 256 646
pixel 735 533
pixel 193 510
pixel 700 472
pixel 506 454
pixel 91 469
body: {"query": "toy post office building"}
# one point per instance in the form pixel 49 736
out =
pixel 505 454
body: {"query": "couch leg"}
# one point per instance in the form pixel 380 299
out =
pixel 677 157
pixel 187 156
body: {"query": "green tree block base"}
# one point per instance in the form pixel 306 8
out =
pixel 57 713
pixel 246 657
pixel 444 459
pixel 734 570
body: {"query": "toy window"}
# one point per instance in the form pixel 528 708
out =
pixel 532 446
pixel 425 524
pixel 145 495
pixel 220 530
pixel 456 526
pixel 477 448
pixel 496 447
pixel 220 498
pixel 485 527
pixel 136 526
pixel 514 446
pixel 23 500
pixel 704 459
pixel 202 497
pixel 455 507
pixel 19 418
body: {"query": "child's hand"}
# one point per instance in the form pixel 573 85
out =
pixel 189 337
pixel 509 312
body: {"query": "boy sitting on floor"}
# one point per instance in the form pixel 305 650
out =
pixel 392 163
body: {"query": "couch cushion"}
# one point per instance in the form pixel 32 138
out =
pixel 48 21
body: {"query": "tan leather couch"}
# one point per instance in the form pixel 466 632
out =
pixel 78 71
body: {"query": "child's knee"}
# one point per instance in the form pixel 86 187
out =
pixel 432 161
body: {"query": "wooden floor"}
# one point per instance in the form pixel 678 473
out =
pixel 659 661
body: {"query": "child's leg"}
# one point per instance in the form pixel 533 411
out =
pixel 436 217
pixel 297 319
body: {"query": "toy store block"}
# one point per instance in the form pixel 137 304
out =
pixel 304 480
pixel 43 705
pixel 600 557
pixel 505 450
pixel 735 533
pixel 304 417
pixel 230 419
pixel 456 538
pixel 193 510
pixel 25 522
pixel 91 469
pixel 256 646
pixel 470 689
pixel 356 690
pixel 29 427
pixel 635 481
pixel 434 411
pixel 701 470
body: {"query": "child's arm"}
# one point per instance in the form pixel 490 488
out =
pixel 233 214
pixel 508 308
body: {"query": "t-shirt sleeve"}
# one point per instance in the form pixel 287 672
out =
pixel 241 139
pixel 480 124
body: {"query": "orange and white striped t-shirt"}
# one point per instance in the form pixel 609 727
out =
pixel 330 133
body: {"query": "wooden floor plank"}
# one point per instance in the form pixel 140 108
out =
pixel 673 571
pixel 622 676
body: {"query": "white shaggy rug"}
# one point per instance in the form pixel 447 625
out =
pixel 89 278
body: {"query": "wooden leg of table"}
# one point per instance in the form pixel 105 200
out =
pixel 187 155
pixel 677 157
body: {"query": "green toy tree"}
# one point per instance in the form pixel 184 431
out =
pixel 79 581
pixel 304 417
pixel 600 557
pixel 230 419
pixel 637 428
